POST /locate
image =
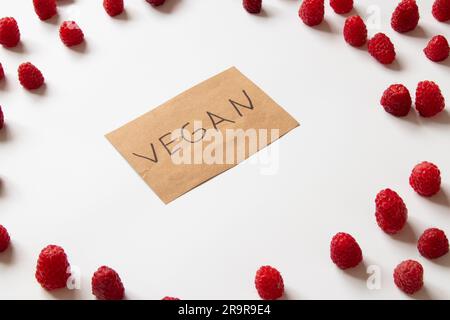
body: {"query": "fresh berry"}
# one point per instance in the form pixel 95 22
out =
pixel 2 72
pixel 9 32
pixel 437 49
pixel 429 99
pixel 45 9
pixel 252 6
pixel 170 298
pixel 381 48
pixel 269 283
pixel 355 31
pixel 345 251
pixel 390 211
pixel 156 3
pixel 396 100
pixel 113 7
pixel 312 12
pixel 433 243
pixel 2 118
pixel 30 77
pixel 70 33
pixel 441 10
pixel 406 16
pixel 341 6
pixel 4 235
pixel 106 284
pixel 425 179
pixel 52 268
pixel 408 276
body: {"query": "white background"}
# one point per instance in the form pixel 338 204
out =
pixel 63 183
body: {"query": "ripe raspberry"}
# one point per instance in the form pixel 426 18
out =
pixel 396 100
pixel 252 6
pixel 2 72
pixel 437 49
pixel 70 33
pixel 2 118
pixel 381 48
pixel 429 99
pixel 9 32
pixel 170 298
pixel 345 251
pixel 269 283
pixel 355 31
pixel 425 179
pixel 433 243
pixel 312 12
pixel 113 7
pixel 4 235
pixel 408 276
pixel 390 211
pixel 52 268
pixel 156 3
pixel 341 6
pixel 45 9
pixel 441 10
pixel 30 77
pixel 106 284
pixel 406 16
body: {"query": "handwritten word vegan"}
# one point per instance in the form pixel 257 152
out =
pixel 183 147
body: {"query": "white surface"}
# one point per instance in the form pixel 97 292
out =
pixel 63 183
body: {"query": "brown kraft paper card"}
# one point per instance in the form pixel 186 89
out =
pixel 201 133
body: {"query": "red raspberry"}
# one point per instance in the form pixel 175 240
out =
pixel 441 10
pixel 433 243
pixel 429 99
pixel 396 100
pixel 45 9
pixel 437 49
pixel 425 179
pixel 106 284
pixel 2 72
pixel 70 33
pixel 9 32
pixel 312 12
pixel 4 235
pixel 170 298
pixel 52 268
pixel 269 283
pixel 345 251
pixel 406 16
pixel 408 276
pixel 30 77
pixel 156 3
pixel 2 119
pixel 341 6
pixel 113 7
pixel 355 31
pixel 381 48
pixel 252 6
pixel 390 211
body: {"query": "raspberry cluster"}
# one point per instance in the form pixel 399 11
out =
pixel 391 215
pixel 53 272
pixel 405 18
pixel 396 99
